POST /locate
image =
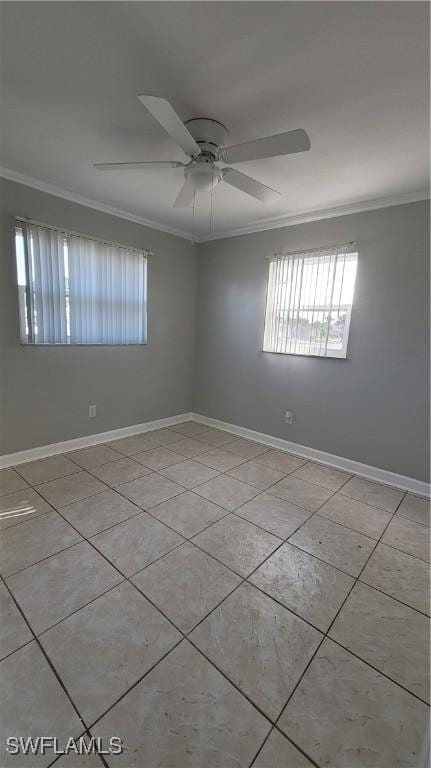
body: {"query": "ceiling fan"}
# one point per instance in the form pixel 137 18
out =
pixel 203 140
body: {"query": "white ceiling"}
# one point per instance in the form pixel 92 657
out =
pixel 353 74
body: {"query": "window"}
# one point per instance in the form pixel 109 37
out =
pixel 75 290
pixel 309 302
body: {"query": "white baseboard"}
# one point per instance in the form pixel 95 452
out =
pixel 41 452
pixel 338 462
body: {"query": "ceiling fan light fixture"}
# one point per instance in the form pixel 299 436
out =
pixel 203 176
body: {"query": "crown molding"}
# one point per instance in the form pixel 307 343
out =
pixel 52 189
pixel 318 215
pixel 257 226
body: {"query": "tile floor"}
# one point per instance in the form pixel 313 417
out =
pixel 213 602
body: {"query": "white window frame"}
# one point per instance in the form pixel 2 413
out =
pixel 27 337
pixel 293 346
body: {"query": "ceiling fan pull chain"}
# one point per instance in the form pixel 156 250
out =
pixel 193 220
pixel 211 204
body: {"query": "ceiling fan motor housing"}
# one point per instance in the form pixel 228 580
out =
pixel 210 135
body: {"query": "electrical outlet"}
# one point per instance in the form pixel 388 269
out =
pixel 91 411
pixel 289 417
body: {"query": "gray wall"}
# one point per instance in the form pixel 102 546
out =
pixel 372 407
pixel 46 391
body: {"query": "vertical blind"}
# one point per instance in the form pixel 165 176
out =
pixel 309 301
pixel 76 290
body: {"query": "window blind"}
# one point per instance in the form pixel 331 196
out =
pixel 309 301
pixel 77 290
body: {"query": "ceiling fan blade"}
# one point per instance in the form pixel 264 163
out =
pixel 185 196
pixel 250 186
pixel 162 111
pixel 137 166
pixel 270 146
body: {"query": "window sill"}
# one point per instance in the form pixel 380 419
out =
pixel 341 356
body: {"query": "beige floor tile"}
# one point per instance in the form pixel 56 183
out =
pixel 94 456
pixel 246 448
pixel 184 713
pixel 415 508
pixel 162 436
pixel 101 650
pixel 237 543
pixel 186 585
pixel 135 543
pixel 281 461
pixel 188 513
pixel 10 481
pixel 343 713
pixel 278 752
pixel 273 514
pixel 227 492
pixel 409 537
pixel 399 575
pixel 217 438
pixel 121 471
pixel 158 458
pixel 132 444
pixel 329 478
pixel 262 647
pixel 66 490
pixel 300 492
pixel 49 591
pixel 388 635
pixel 44 470
pixel 190 428
pixel 256 474
pixel 14 632
pixel 356 515
pixel 25 544
pixel 189 473
pixel 221 459
pixel 149 491
pixel 190 447
pixel 99 512
pixel 34 704
pixel 376 494
pixel 21 506
pixel 334 544
pixel 305 585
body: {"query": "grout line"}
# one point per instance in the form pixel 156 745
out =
pixel 288 738
pixel 409 519
pixel 19 522
pixel 42 559
pixel 85 605
pixel 183 635
pixel 244 580
pixel 326 635
pixel 139 680
pixel 343 525
pixel 50 664
pixel 17 649
pixel 397 599
pixel 87 735
pixel 376 669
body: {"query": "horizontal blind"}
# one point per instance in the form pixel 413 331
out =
pixel 309 301
pixel 77 290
